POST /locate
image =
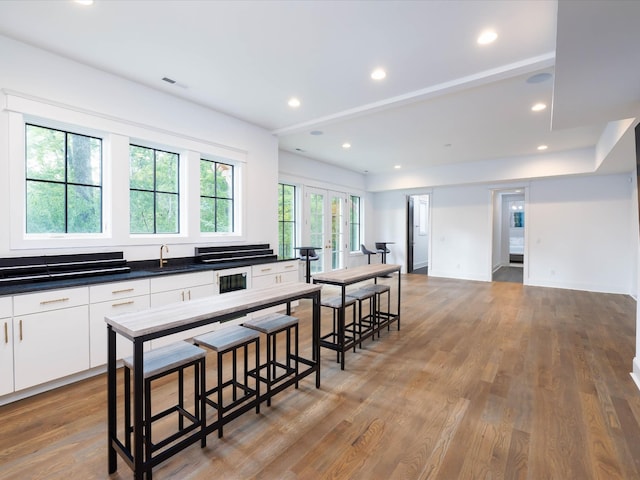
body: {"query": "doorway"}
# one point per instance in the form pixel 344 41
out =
pixel 509 223
pixel 325 228
pixel 418 234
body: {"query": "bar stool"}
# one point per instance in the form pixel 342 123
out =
pixel 336 339
pixel 381 247
pixel 367 252
pixel 231 339
pixel 308 255
pixel 379 289
pixel 159 363
pixel 366 323
pixel 271 325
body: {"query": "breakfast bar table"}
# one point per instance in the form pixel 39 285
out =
pixel 349 276
pixel 142 326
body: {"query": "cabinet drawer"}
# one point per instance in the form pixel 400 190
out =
pixel 5 307
pixel 272 268
pixel 49 300
pixel 114 291
pixel 173 282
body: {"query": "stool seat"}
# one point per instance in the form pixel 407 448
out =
pixel 336 302
pixel 376 288
pixel 361 294
pixel 226 338
pixel 163 359
pixel 271 322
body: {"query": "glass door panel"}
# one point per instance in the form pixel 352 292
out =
pixel 324 211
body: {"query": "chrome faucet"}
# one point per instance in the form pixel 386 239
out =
pixel 166 250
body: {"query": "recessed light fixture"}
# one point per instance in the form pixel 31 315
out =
pixel 487 37
pixel 538 107
pixel 294 102
pixel 542 147
pixel 397 167
pixel 378 74
pixel 84 2
pixel 346 145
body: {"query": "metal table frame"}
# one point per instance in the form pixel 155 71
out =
pixel 185 316
pixel 350 276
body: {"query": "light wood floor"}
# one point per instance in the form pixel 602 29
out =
pixel 483 381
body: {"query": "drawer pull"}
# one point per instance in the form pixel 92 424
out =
pixel 189 294
pixel 57 300
pixel 289 266
pixel 130 302
pixel 265 269
pixel 124 290
pixel 20 323
pixel 182 293
pixel 6 332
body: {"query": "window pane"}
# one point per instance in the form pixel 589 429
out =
pixel 84 209
pixel 83 159
pixel 224 180
pixel 207 178
pixel 224 215
pixel 288 213
pixel 287 235
pixel 207 214
pixel 45 207
pixel 166 213
pixel 166 172
pixel 141 174
pixel 45 153
pixel 141 212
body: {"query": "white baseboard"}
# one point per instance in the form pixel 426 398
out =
pixel 635 375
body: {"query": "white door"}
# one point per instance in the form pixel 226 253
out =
pixel 325 227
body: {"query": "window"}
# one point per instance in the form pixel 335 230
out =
pixel 153 191
pixel 216 196
pixel 63 181
pixel 354 224
pixel 286 220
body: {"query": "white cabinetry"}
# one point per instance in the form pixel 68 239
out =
pixel 191 286
pixel 6 347
pixel 268 274
pixel 111 299
pixel 50 335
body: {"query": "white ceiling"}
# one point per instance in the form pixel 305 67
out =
pixel 445 99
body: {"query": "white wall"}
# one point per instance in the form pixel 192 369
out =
pixel 61 85
pixel 579 233
pixel 578 227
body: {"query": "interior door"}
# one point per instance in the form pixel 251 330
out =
pixel 325 227
pixel 410 240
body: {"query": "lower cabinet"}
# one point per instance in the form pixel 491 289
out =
pixel 193 286
pixel 111 299
pixel 6 346
pixel 268 274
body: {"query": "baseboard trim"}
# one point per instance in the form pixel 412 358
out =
pixel 635 375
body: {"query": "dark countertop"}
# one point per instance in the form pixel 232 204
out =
pixel 140 269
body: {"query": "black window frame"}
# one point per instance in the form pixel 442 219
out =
pixel 217 197
pixel 282 221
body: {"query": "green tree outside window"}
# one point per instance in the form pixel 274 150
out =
pixel 216 196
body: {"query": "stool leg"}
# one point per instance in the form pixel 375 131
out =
pixel 127 408
pixel 295 330
pixel 147 425
pixel 180 398
pixel 257 364
pixel 200 400
pixel 220 381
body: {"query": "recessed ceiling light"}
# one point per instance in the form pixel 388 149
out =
pixel 294 102
pixel 346 145
pixel 397 167
pixel 542 147
pixel 538 107
pixel 316 132
pixel 378 74
pixel 84 2
pixel 486 37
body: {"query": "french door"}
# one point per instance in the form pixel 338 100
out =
pixel 325 227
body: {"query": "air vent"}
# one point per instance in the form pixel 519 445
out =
pixel 168 80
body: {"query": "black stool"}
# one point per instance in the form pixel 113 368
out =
pixel 159 363
pixel 379 289
pixel 336 338
pixel 381 247
pixel 271 325
pixel 367 321
pixel 230 339
pixel 308 255
pixel 367 252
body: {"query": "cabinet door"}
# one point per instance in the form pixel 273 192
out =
pixel 186 294
pixel 98 327
pixel 6 356
pixel 50 345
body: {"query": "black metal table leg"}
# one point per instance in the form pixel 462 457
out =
pixel 111 398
